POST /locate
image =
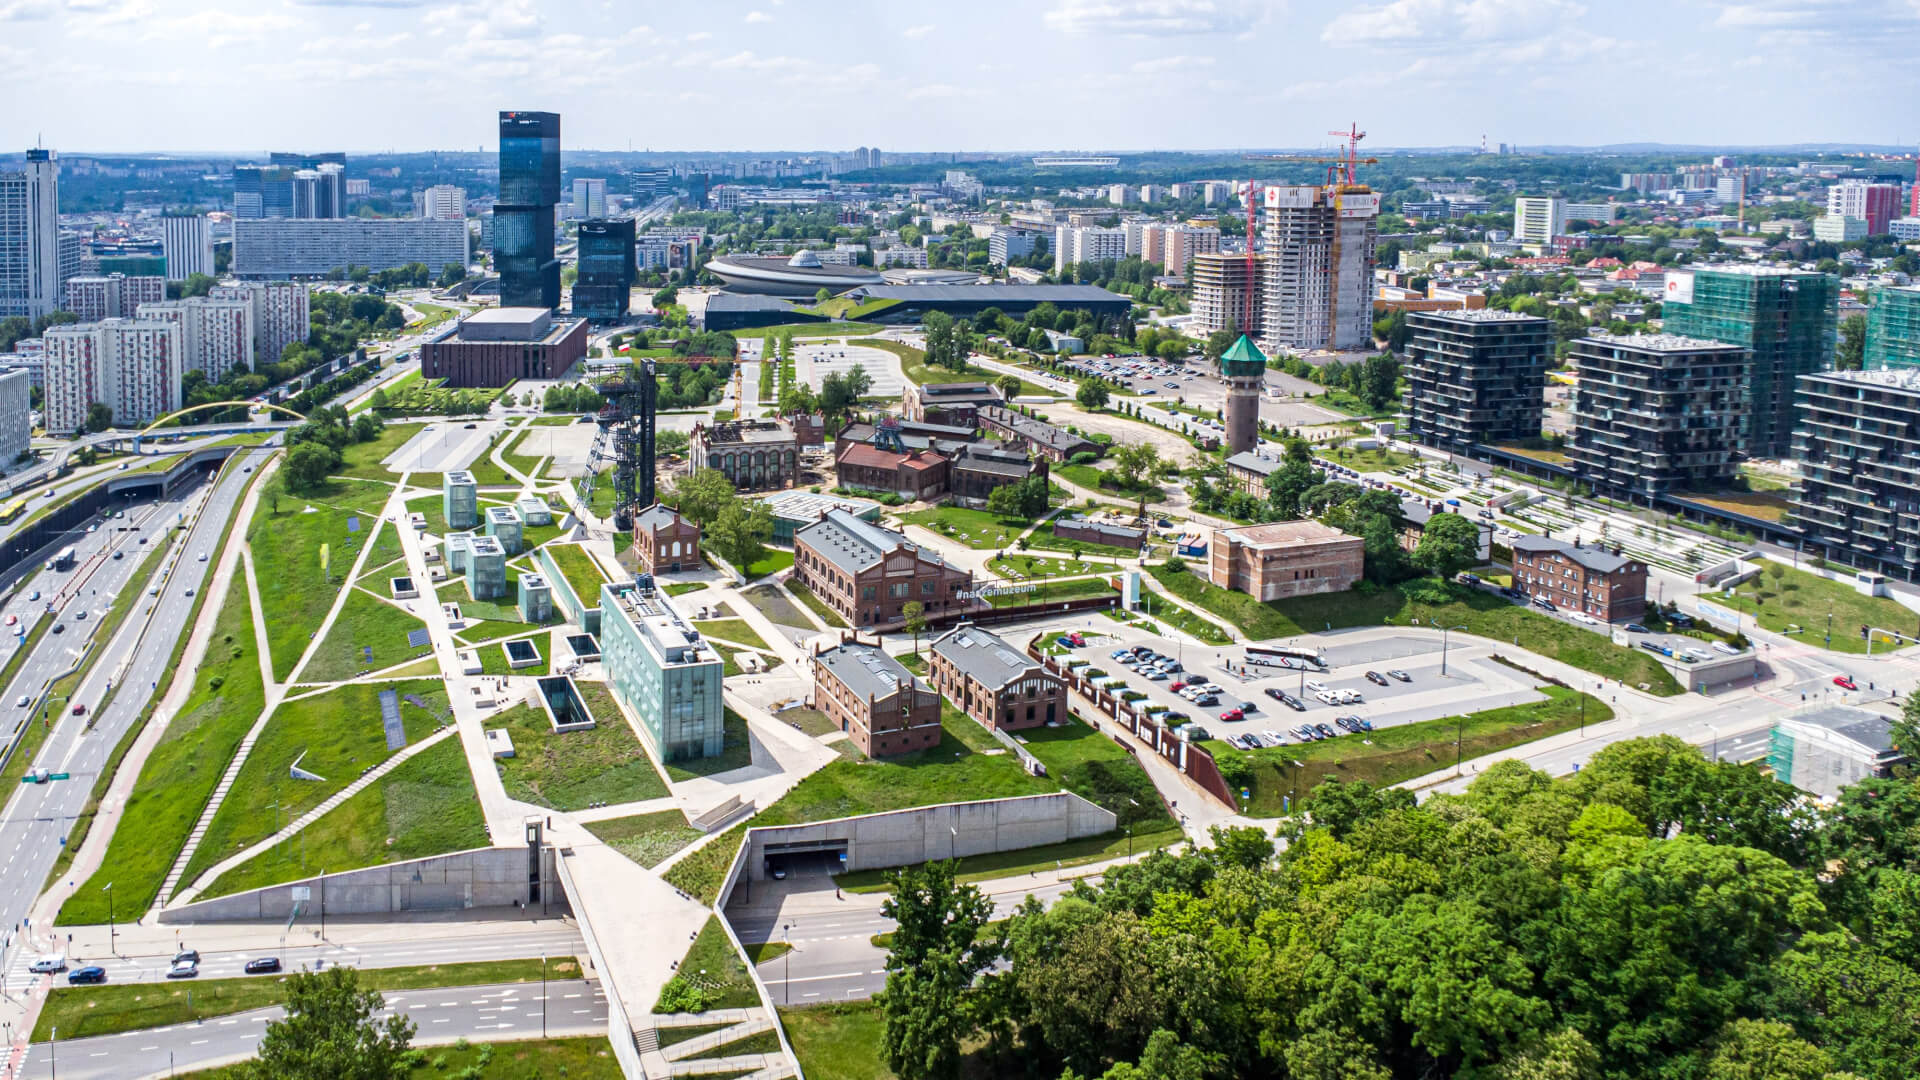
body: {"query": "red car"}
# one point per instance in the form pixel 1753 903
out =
pixel 1177 687
pixel 1845 682
pixel 1233 714
pixel 79 710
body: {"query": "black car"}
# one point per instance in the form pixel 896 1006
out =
pixel 1325 731
pixel 1292 702
pixel 1512 593
pixel 1636 628
pixel 1276 693
pixel 89 974
pixel 1376 678
pixel 187 954
pixel 263 966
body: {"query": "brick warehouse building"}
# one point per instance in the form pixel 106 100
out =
pixel 867 573
pixel 756 455
pixel 1282 559
pixel 997 685
pixel 955 403
pixel 881 706
pixel 665 542
pixel 1600 582
pixel 495 346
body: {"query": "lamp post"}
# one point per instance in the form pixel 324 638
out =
pixel 1444 631
pixel 543 995
pixel 112 939
pixel 786 972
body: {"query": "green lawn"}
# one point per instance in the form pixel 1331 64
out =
pixel 493 658
pixel 492 629
pixel 487 474
pixel 1482 613
pixel 425 807
pixel 713 964
pixel 364 623
pixel 285 540
pixel 734 630
pixel 767 598
pixel 528 451
pixel 701 873
pixel 1045 539
pixel 772 562
pixel 573 770
pixel 363 460
pixel 1404 751
pixel 1023 566
pixel 386 550
pixel 181 771
pixel 582 573
pixel 736 753
pixel 1055 591
pixel 913 362
pixel 647 839
pixel 337 734
pixel 1377 460
pixel 843 1040
pixel 1159 607
pixel 682 588
pixel 107 1009
pixel 974 528
pixel 957 770
pixel 825 329
pixel 806 596
pixel 811 721
pixel 1801 598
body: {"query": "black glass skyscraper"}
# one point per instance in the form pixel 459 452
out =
pixel 605 285
pixel 523 218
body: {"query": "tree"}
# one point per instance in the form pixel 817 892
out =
pixel 701 494
pixel 1378 381
pixel 85 456
pixel 1449 544
pixel 739 533
pixel 913 615
pixel 1092 395
pixel 946 341
pixel 823 295
pixel 1009 386
pixel 309 464
pixel 330 1033
pixel 1851 352
pixel 99 417
pixel 1134 462
pixel 1765 1050
pixel 936 954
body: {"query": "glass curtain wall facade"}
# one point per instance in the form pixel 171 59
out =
pixel 523 219
pixel 1893 329
pixel 1788 320
pixel 605 285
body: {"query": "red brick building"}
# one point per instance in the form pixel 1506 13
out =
pixel 665 542
pixel 997 685
pixel 954 403
pixel 1286 558
pixel 495 346
pixel 868 574
pixel 915 474
pixel 1593 580
pixel 881 706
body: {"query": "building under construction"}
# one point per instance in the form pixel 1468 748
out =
pixel 1221 286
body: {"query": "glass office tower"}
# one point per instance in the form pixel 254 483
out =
pixel 523 218
pixel 605 285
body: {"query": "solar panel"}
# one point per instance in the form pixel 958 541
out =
pixel 353 524
pixel 418 638
pixel 390 719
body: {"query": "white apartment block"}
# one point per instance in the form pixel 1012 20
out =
pixel 1839 228
pixel 1182 242
pixel 1538 221
pixel 1118 194
pixel 34 362
pixel 216 335
pixel 187 242
pixel 1217 191
pixel 1072 246
pixel 274 248
pixel 16 415
pixel 131 366
pixel 913 257
pixel 1601 212
pixel 280 314
pixel 1006 245
pixel 444 202
pixel 1318 286
pixel 30 238
pixel 1851 197
pixel 93 297
pixel 1152 193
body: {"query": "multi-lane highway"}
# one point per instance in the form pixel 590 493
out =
pixel 505 1011
pixel 39 816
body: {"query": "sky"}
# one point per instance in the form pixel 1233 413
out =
pixel 373 75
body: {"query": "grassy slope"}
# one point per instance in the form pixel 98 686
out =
pixel 570 771
pixel 647 839
pixel 285 541
pixel 365 622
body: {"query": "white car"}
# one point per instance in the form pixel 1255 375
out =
pixel 1723 647
pixel 1316 686
pixel 46 964
pixel 203 556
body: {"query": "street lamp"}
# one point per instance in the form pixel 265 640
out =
pixel 543 995
pixel 786 973
pixel 112 947
pixel 1444 631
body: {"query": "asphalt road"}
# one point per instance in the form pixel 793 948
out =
pixel 512 1010
pixel 39 816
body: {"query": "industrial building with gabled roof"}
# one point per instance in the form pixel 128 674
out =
pixel 881 705
pixel 868 574
pixel 1000 687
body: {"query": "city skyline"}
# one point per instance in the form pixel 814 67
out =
pixel 406 75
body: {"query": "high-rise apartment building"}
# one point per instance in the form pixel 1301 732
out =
pixel 1182 243
pixel 131 366
pixel 1003 246
pixel 1655 414
pixel 1858 498
pixel 523 217
pixel 445 202
pixel 1875 204
pixel 1319 266
pixel 589 197
pixel 16 415
pixel 1538 221
pixel 604 287
pixel 1893 329
pixel 30 282
pixel 1476 377
pixel 93 297
pixel 216 336
pixel 187 241
pixel 279 312
pixel 1787 321
pixel 1226 292
pixel 290 247
pixel 1087 244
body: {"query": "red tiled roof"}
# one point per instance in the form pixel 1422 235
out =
pixel 868 456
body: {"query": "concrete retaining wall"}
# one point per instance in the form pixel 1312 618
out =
pixel 619 1024
pixel 483 877
pixel 953 830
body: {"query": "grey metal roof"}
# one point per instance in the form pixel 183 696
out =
pixel 1252 461
pixel 867 671
pixel 1035 430
pixel 656 516
pixel 1105 527
pixel 983 657
pixel 1062 295
pixel 749 302
pixel 853 545
pixel 971 459
pixel 1599 560
pixel 1869 729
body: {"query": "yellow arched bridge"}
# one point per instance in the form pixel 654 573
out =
pixel 249 405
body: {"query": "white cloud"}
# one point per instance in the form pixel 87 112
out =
pixel 362 3
pixel 917 31
pixel 1170 63
pixel 1155 17
pixel 23 10
pixel 1442 24
pixel 699 35
pixel 758 17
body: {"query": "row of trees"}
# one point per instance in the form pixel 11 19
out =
pixel 1655 915
pixel 314 447
pixel 735 529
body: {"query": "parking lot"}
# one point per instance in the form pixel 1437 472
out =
pixel 1472 682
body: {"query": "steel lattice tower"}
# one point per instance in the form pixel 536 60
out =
pixel 628 420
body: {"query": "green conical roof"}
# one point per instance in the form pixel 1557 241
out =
pixel 1244 358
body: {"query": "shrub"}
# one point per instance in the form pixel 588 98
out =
pixel 679 995
pixel 1175 562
